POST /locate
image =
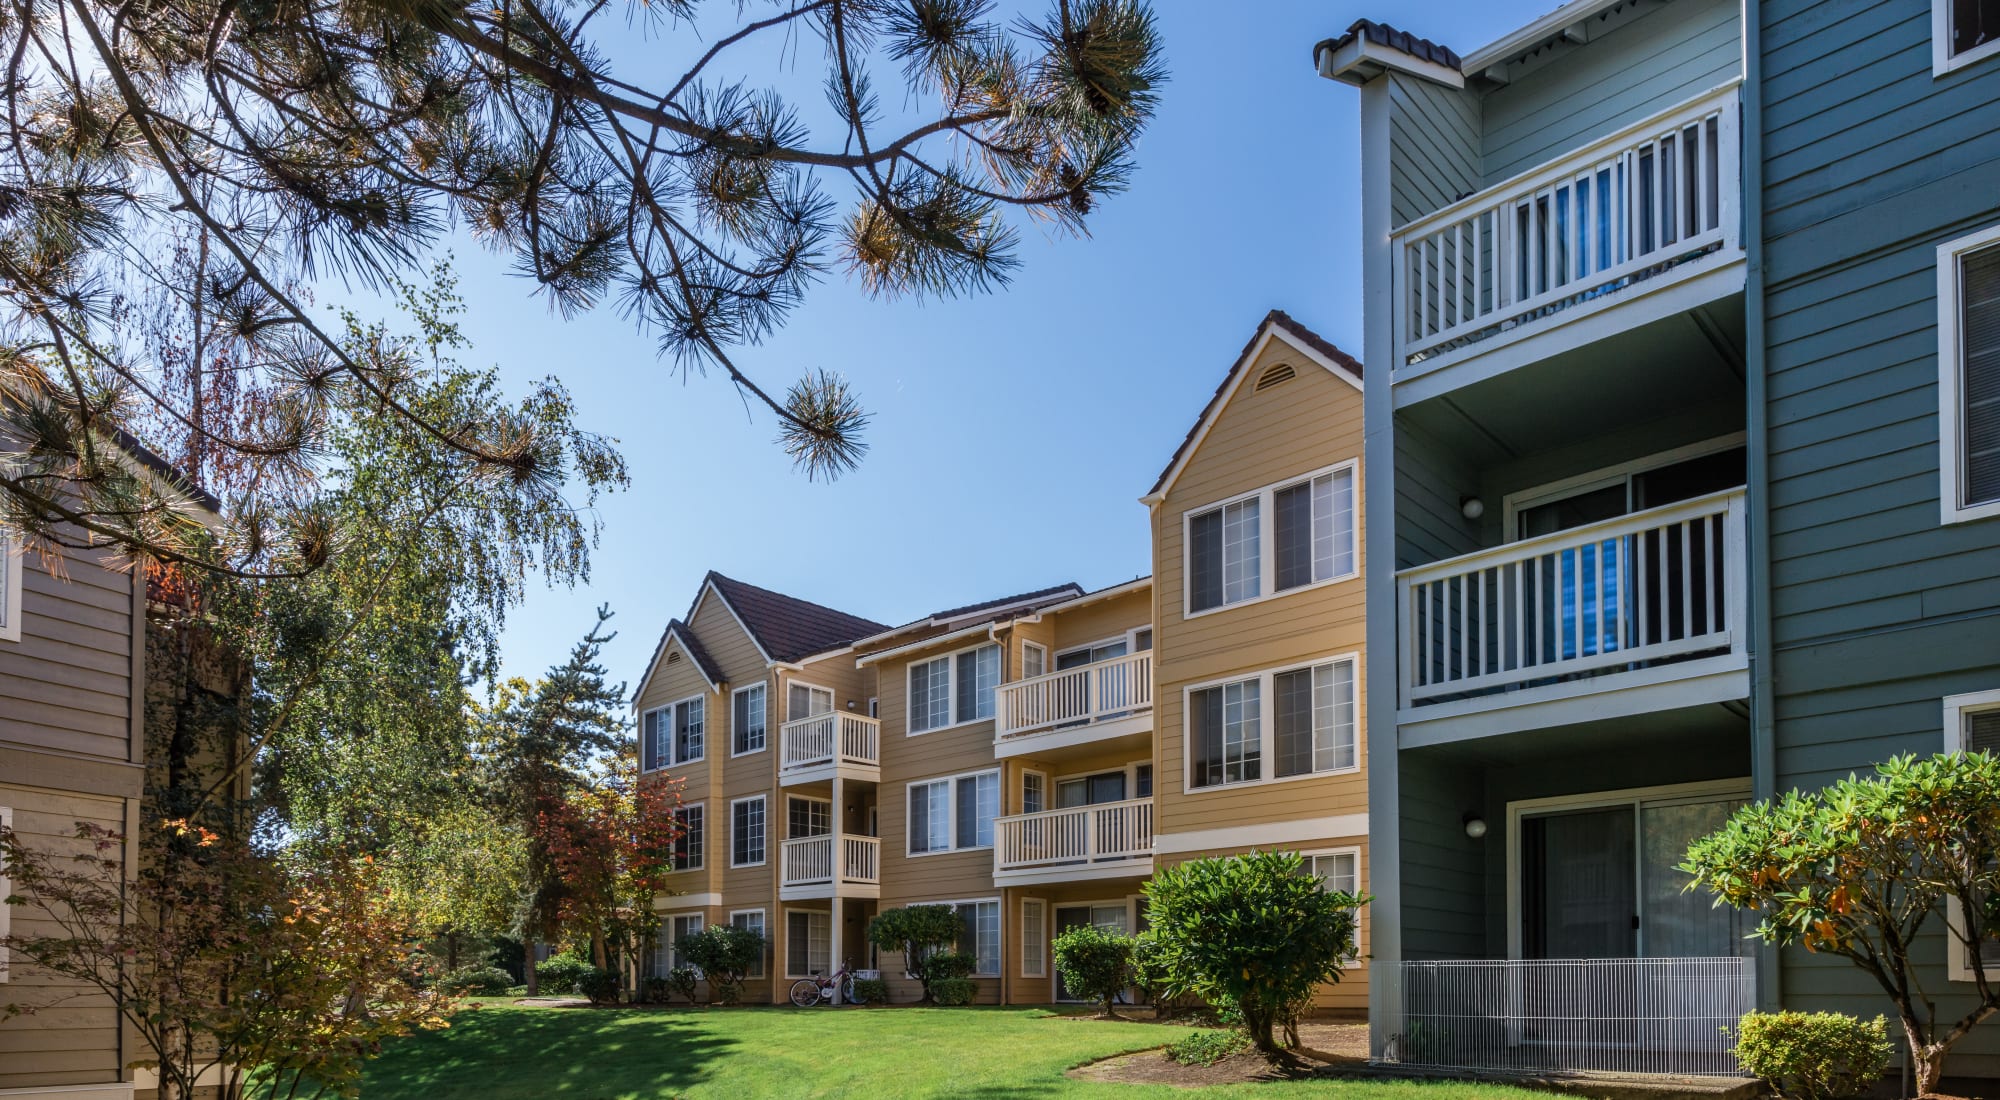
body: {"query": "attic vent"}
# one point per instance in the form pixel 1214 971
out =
pixel 1283 372
pixel 674 656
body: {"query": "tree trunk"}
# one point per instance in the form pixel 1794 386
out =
pixel 528 965
pixel 597 958
pixel 451 950
pixel 1259 1022
pixel 1926 1058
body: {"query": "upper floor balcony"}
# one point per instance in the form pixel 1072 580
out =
pixel 1104 840
pixel 1637 225
pixel 1091 704
pixel 808 867
pixel 818 747
pixel 1640 613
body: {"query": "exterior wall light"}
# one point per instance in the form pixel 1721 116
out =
pixel 1475 826
pixel 1473 507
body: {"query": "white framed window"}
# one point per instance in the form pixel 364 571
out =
pixel 10 591
pixel 804 700
pixel 1968 276
pixel 667 953
pixel 953 689
pixel 806 816
pixel 692 842
pixel 746 831
pixel 1339 872
pixel 674 734
pixel 1034 660
pixel 1282 538
pixel 746 720
pixel 1034 792
pixel 978 933
pixel 1962 32
pixel 1284 723
pixel 1971 724
pixel 808 942
pixel 753 920
pixel 954 813
pixel 1034 938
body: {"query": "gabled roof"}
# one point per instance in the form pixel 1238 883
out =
pixel 677 629
pixel 1068 591
pixel 953 621
pixel 1275 323
pixel 786 628
pixel 1382 34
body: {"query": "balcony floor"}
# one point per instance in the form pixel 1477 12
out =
pixel 1132 731
pixel 1720 679
pixel 1097 870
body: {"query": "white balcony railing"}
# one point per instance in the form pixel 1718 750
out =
pixel 834 737
pixel 1664 1016
pixel 808 861
pixel 1608 597
pixel 1622 209
pixel 1081 834
pixel 1094 692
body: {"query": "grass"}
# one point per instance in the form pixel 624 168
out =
pixel 501 1052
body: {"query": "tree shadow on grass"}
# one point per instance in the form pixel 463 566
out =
pixel 504 1055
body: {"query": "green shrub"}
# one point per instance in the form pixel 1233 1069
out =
pixel 1814 1055
pixel 871 991
pixel 726 954
pixel 925 935
pixel 517 991
pixel 954 991
pixel 1205 1048
pixel 683 980
pixel 1095 964
pixel 601 986
pixel 1255 932
pixel 475 981
pixel 656 991
pixel 559 973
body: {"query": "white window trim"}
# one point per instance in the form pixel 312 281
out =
pixel 669 708
pixel 1942 60
pixel 832 701
pixel 1705 791
pixel 831 964
pixel 1267 550
pixel 1041 971
pixel 1360 911
pixel 1048 789
pixel 6 888
pixel 1266 713
pixel 1515 502
pixel 827 802
pixel 701 850
pixel 950 658
pixel 11 557
pixel 764 930
pixel 1048 659
pixel 1951 433
pixel 733 754
pixel 668 942
pixel 1000 907
pixel 951 812
pixel 1955 709
pixel 735 802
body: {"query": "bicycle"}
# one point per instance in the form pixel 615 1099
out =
pixel 807 992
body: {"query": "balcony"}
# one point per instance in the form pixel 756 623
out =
pixel 1572 251
pixel 806 868
pixel 1640 613
pixel 817 748
pixel 1107 840
pixel 1086 705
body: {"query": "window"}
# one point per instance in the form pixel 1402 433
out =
pixel 1034 938
pixel 957 687
pixel 673 734
pixel 10 590
pixel 746 720
pixel 808 942
pixel 954 814
pixel 667 953
pixel 1971 724
pixel 1142 781
pixel 808 817
pixel 1034 660
pixel 1337 872
pixel 753 920
pixel 1302 720
pixel 979 935
pixel 1034 792
pixel 1309 524
pixel 805 700
pixel 1969 375
pixel 1963 31
pixel 746 832
pixel 689 845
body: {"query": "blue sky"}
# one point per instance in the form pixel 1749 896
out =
pixel 1013 432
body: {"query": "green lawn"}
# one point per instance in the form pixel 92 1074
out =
pixel 507 1053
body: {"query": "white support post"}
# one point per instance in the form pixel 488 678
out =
pixel 835 921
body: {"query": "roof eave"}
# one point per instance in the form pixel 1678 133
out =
pixel 1358 61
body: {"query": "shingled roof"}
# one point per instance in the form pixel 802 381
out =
pixel 1382 34
pixel 1299 333
pixel 1070 590
pixel 785 627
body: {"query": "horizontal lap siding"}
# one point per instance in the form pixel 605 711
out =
pixel 674 681
pixel 1349 995
pixel 1635 70
pixel 1257 439
pixel 1101 621
pixel 1878 609
pixel 1444 879
pixel 74 1040
pixel 737 659
pixel 67 683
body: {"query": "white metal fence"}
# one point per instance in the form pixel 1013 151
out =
pixel 1620 209
pixel 1094 692
pixel 1639 1016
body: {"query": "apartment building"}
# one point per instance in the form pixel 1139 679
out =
pixel 1662 473
pixel 1261 616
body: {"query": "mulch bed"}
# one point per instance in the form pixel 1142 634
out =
pixel 1323 1045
